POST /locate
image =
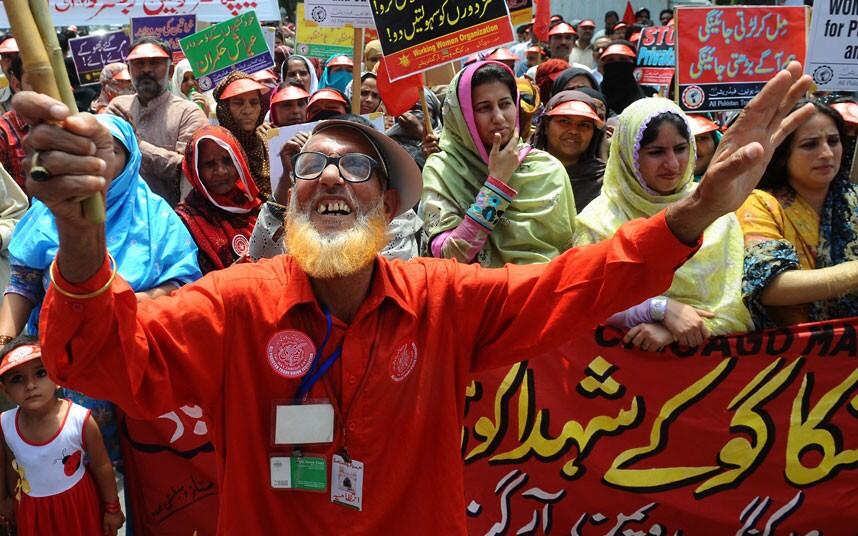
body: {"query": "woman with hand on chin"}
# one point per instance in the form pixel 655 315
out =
pixel 651 166
pixel 487 197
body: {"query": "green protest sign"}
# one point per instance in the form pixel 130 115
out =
pixel 237 44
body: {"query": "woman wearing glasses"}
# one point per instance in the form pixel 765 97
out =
pixel 221 210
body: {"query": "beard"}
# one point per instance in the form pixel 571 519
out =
pixel 337 254
pixel 150 87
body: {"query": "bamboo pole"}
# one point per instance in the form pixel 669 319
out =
pixel 427 121
pixel 357 58
pixel 42 17
pixel 42 76
pixel 853 175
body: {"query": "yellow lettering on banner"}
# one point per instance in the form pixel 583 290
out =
pixel 740 453
pixel 492 431
pixel 808 431
pixel 665 477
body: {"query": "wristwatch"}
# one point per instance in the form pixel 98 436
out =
pixel 658 308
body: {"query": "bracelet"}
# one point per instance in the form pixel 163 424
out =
pixel 490 204
pixel 4 339
pixel 93 294
pixel 658 308
pixel 112 507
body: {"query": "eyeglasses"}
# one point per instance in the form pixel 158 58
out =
pixel 353 167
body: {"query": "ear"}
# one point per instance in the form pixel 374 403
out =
pixel 172 69
pixel 14 84
pixel 390 200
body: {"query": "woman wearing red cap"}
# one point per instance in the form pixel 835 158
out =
pixel 115 80
pixel 221 210
pixel 239 110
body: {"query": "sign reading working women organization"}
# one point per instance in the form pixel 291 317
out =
pixel 418 35
pixel 169 29
pixel 656 56
pixel 90 54
pixel 725 55
pixel 233 45
pixel 117 12
pixel 832 55
pixel 752 434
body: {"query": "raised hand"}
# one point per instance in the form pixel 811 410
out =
pixel 503 161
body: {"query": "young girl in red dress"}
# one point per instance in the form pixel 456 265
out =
pixel 65 481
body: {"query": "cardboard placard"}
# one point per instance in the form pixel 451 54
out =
pixel 339 13
pixel 656 61
pixel 832 53
pixel 725 55
pixel 520 11
pixel 418 36
pixel 91 53
pixel 170 29
pixel 237 44
pixel 316 41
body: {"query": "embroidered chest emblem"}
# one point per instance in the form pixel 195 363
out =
pixel 240 245
pixel 403 362
pixel 290 353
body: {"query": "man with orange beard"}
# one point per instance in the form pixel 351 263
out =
pixel 331 369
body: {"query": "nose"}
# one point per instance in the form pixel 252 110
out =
pixel 672 162
pixel 827 150
pixel 331 176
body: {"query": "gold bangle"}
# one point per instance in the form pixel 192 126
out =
pixel 93 294
pixel 5 339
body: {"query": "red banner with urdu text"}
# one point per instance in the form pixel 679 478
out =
pixel 754 434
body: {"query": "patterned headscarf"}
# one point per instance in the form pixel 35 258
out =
pixel 253 143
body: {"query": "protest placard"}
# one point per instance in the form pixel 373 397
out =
pixel 832 55
pixel 169 29
pixel 277 138
pixel 90 54
pixel 416 36
pixel 726 54
pixel 520 11
pixel 339 13
pixel 68 12
pixel 233 45
pixel 320 42
pixel 656 56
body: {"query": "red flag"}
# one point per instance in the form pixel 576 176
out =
pixel 541 19
pixel 629 16
pixel 399 96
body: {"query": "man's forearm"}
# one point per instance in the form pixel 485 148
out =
pixel 81 252
pixel 688 218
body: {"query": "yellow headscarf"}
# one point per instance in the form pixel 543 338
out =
pixel 712 278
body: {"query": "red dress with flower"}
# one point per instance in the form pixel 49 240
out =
pixel 57 494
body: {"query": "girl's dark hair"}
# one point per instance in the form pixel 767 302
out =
pixel 494 73
pixel 776 173
pixel 20 340
pixel 651 132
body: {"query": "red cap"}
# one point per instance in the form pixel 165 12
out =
pixel 701 124
pixel 577 109
pixel 619 26
pixel 328 94
pixel 849 111
pixel 122 75
pixel 289 93
pixel 502 54
pixel 586 23
pixel 618 49
pixel 19 356
pixel 9 46
pixel 562 29
pixel 147 50
pixel 635 37
pixel 341 61
pixel 242 86
pixel 535 50
pixel 553 18
pixel 264 75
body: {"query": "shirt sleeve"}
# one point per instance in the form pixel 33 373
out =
pixel 525 311
pixel 761 218
pixel 111 347
pixel 13 206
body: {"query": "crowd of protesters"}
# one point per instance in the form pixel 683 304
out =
pixel 531 151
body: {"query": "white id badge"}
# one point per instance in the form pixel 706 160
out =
pixel 304 424
pixel 347 482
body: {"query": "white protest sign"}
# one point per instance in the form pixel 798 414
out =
pixel 832 53
pixel 277 138
pixel 355 13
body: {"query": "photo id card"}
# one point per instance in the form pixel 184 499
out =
pixel 301 473
pixel 347 482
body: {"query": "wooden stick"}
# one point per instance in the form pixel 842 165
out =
pixel 357 58
pixel 427 121
pixel 43 78
pixel 853 175
pixel 42 17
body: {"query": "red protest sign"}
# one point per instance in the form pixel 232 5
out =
pixel 726 54
pixel 416 36
pixel 752 434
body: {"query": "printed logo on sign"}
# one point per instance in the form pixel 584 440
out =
pixel 319 14
pixel 205 83
pixel 403 361
pixel 290 353
pixel 693 97
pixel 823 74
pixel 240 245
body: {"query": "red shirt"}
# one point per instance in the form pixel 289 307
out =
pixel 423 329
pixel 12 153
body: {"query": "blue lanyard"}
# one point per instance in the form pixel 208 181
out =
pixel 316 372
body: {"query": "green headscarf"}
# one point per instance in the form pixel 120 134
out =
pixel 538 225
pixel 712 278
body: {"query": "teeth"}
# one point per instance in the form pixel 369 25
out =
pixel 334 206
